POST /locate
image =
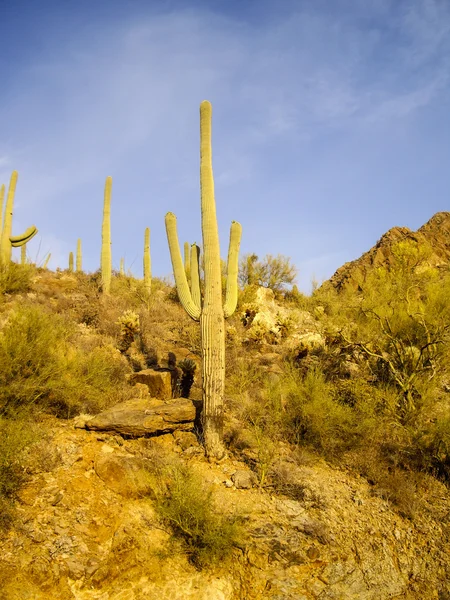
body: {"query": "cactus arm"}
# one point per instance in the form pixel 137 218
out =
pixel 71 262
pixel 195 275
pixel 20 240
pixel 106 238
pixel 231 296
pixel 2 198
pixel 181 283
pixel 79 257
pixel 187 260
pixel 5 250
pixel 147 262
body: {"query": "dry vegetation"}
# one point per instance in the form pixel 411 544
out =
pixel 372 397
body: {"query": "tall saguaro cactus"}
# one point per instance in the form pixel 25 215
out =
pixel 106 266
pixel 210 313
pixel 147 263
pixel 79 261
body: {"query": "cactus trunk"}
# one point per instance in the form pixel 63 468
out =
pixel 79 263
pixel 5 250
pixel 211 313
pixel 147 263
pixel 23 255
pixel 106 239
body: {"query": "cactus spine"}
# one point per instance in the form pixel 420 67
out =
pixel 210 314
pixel 106 239
pixel 147 263
pixel 5 250
pixel 79 263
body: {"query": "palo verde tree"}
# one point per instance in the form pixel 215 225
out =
pixel 211 312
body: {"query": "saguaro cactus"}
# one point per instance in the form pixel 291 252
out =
pixel 70 262
pixel 187 260
pixel 122 266
pixel 79 263
pixel 211 314
pixel 147 263
pixel 5 250
pixel 2 198
pixel 106 267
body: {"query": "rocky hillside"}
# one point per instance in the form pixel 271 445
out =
pixel 88 523
pixel 434 235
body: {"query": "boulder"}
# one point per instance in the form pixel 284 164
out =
pixel 143 417
pixel 159 383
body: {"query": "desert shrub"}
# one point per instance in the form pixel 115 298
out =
pixel 16 436
pixel 274 272
pixel 313 416
pixel 188 368
pixel 187 505
pixel 41 366
pixel 15 278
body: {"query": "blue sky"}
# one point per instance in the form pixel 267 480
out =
pixel 331 123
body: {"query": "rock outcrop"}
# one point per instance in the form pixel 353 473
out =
pixel 435 234
pixel 142 417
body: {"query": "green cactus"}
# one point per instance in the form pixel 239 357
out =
pixel 147 263
pixel 70 262
pixel 5 250
pixel 79 262
pixel 106 267
pixel 195 274
pixel 2 198
pixel 187 260
pixel 19 240
pixel 211 314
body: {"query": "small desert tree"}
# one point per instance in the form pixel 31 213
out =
pixel 274 272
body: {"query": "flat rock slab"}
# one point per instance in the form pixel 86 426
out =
pixel 143 417
pixel 159 383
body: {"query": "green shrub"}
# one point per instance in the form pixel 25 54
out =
pixel 41 366
pixel 186 504
pixel 15 278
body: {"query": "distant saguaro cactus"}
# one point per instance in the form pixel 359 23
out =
pixel 7 240
pixel 106 267
pixel 79 263
pixel 211 314
pixel 70 262
pixel 122 266
pixel 147 263
pixel 2 198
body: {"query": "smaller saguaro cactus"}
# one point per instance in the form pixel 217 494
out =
pixel 147 262
pixel 5 250
pixel 79 263
pixel 71 262
pixel 2 198
pixel 122 266
pixel 106 266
